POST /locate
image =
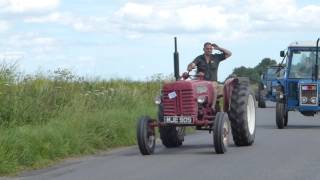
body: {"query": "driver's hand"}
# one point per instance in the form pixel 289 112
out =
pixel 192 66
pixel 200 74
pixel 215 46
pixel 185 75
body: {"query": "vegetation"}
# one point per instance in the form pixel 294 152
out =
pixel 48 117
pixel 254 73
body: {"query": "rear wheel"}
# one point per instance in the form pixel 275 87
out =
pixel 280 116
pixel 171 136
pixel 221 132
pixel 261 100
pixel 242 114
pixel 261 103
pixel 145 136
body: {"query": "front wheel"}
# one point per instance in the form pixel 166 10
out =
pixel 145 136
pixel 221 133
pixel 281 116
pixel 286 119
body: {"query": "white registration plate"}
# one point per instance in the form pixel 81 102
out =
pixel 178 119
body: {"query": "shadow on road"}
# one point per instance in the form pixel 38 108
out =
pixel 302 127
pixel 292 127
pixel 268 107
pixel 201 149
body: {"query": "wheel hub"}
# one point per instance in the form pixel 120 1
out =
pixel 251 114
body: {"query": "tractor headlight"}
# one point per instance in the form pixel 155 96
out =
pixel 313 100
pixel 157 100
pixel 279 94
pixel 304 99
pixel 201 99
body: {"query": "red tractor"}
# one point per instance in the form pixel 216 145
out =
pixel 188 102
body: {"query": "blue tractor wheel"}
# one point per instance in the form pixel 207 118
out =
pixel 280 115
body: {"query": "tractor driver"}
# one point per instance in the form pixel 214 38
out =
pixel 207 64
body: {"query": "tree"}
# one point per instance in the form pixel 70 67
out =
pixel 264 64
pixel 254 73
pixel 247 72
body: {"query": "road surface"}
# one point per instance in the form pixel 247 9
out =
pixel 288 154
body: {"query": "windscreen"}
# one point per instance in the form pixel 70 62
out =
pixel 272 73
pixel 302 64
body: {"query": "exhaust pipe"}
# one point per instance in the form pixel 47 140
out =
pixel 317 66
pixel 176 60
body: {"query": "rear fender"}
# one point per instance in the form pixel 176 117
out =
pixel 228 88
pixel 227 92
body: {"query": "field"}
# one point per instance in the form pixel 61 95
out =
pixel 49 116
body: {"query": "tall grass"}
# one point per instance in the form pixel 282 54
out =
pixel 46 117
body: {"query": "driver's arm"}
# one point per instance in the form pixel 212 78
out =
pixel 226 52
pixel 191 66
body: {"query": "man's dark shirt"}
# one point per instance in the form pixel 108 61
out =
pixel 210 70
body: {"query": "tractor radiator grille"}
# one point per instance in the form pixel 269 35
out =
pixel 183 104
pixel 308 94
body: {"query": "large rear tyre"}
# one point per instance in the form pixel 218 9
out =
pixel 243 114
pixel 171 136
pixel 145 136
pixel 280 116
pixel 221 132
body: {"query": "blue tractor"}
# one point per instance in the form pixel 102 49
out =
pixel 298 90
pixel 267 85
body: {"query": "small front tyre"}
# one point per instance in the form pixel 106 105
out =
pixel 146 136
pixel 281 116
pixel 221 133
pixel 286 119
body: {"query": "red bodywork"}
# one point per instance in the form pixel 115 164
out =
pixel 227 92
pixel 185 101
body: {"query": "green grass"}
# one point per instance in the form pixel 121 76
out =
pixel 44 118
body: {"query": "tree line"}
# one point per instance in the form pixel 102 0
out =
pixel 254 73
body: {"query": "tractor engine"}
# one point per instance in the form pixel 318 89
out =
pixel 187 101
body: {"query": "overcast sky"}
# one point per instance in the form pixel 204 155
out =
pixel 135 38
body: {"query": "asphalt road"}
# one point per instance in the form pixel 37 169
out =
pixel 292 153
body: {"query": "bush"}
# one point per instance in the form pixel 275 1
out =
pixel 48 117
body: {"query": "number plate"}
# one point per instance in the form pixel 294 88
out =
pixel 178 119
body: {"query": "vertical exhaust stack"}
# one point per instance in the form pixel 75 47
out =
pixel 317 63
pixel 176 60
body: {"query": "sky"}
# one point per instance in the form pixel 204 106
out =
pixel 133 39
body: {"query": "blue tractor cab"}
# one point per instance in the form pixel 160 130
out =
pixel 298 90
pixel 267 85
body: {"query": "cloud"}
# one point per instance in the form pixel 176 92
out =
pixel 226 19
pixel 238 18
pixel 22 6
pixel 30 39
pixel 11 56
pixel 4 26
pixel 135 10
pixel 82 24
pixel 33 42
